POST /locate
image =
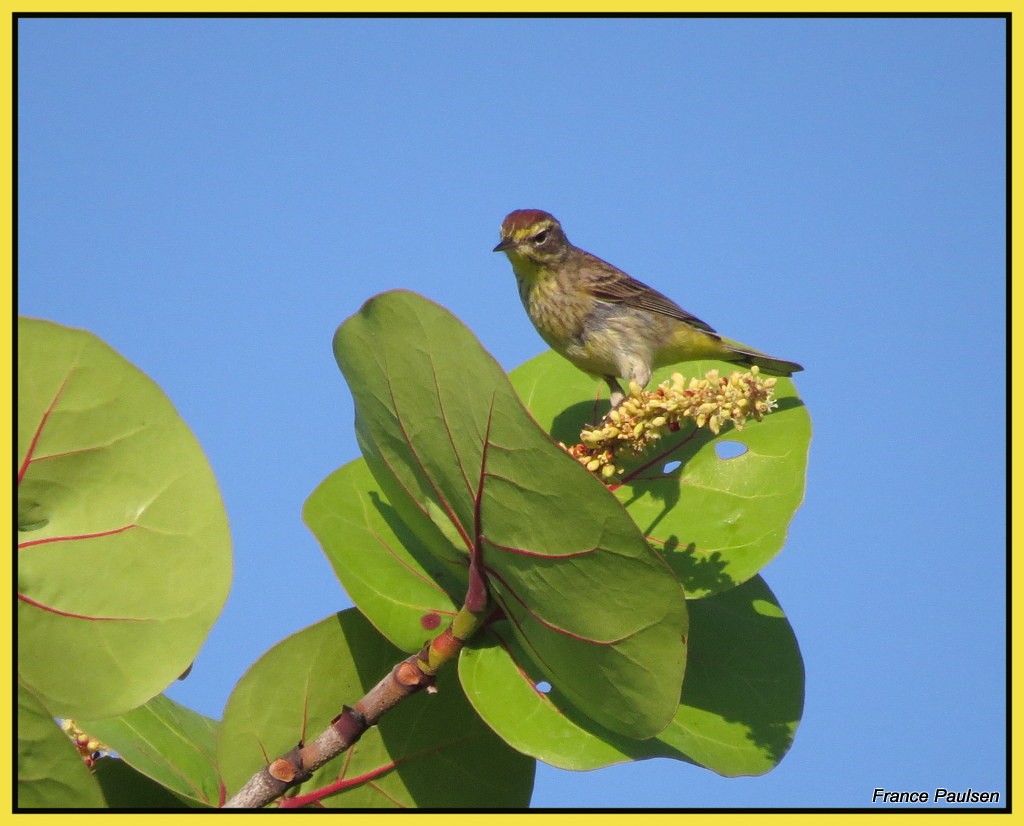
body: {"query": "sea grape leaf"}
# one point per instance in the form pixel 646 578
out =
pixel 429 751
pixel 717 517
pixel 167 742
pixel 125 788
pixel 123 546
pixel 470 473
pixel 738 713
pixel 395 581
pixel 51 772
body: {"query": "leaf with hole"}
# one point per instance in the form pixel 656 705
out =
pixel 738 713
pixel 717 507
pixel 468 470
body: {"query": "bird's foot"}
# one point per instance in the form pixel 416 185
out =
pixel 617 396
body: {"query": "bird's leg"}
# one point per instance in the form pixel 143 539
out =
pixel 617 396
pixel 632 367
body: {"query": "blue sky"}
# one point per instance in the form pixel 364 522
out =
pixel 212 197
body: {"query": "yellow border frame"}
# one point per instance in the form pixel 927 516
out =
pixel 1016 340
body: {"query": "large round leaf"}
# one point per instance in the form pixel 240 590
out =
pixel 468 470
pixel 717 507
pixel 428 751
pixel 123 552
pixel 738 713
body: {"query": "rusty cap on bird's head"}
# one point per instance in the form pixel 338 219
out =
pixel 521 223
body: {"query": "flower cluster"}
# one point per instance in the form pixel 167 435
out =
pixel 644 416
pixel 89 747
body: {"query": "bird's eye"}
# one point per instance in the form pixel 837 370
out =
pixel 540 237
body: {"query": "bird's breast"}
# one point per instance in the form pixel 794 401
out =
pixel 558 313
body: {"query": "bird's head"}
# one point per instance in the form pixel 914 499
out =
pixel 534 236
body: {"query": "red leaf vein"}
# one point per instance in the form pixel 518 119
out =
pixel 75 537
pixel 50 609
pixel 42 423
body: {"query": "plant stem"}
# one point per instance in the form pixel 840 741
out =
pixel 405 679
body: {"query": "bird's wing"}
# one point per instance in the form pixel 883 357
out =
pixel 609 283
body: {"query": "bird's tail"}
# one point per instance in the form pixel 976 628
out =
pixel 769 365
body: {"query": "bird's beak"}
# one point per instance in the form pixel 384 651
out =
pixel 504 244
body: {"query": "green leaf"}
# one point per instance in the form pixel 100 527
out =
pixel 717 521
pixel 395 581
pixel 428 751
pixel 51 772
pixel 533 716
pixel 125 788
pixel 124 553
pixel 470 473
pixel 744 698
pixel 738 713
pixel 167 742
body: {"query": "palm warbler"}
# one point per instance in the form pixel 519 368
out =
pixel 606 322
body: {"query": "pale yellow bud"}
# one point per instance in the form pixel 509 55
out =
pixel 644 416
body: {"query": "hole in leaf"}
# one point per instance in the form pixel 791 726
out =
pixel 670 467
pixel 543 687
pixel 730 450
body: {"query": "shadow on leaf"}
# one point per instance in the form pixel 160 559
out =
pixel 448 574
pixel 745 666
pixel 698 572
pixel 567 425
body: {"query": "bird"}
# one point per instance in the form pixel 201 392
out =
pixel 602 320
